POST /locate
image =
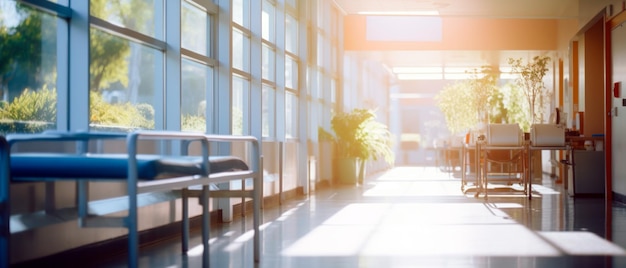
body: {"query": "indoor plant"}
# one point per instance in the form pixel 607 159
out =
pixel 530 80
pixel 359 137
pixel 470 104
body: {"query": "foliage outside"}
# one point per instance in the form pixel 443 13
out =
pixel 359 135
pixel 38 108
pixel 32 106
pixel 120 114
pixel 193 123
pixel 32 111
pixel 24 61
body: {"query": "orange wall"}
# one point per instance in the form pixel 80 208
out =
pixel 466 34
pixel 594 80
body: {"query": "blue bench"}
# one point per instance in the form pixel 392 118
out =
pixel 176 175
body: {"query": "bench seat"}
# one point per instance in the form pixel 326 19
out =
pixel 170 176
pixel 27 167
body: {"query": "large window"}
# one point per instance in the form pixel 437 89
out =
pixel 291 73
pixel 136 65
pixel 193 95
pixel 327 68
pixel 291 34
pixel 241 51
pixel 195 29
pixel 268 16
pixel 28 69
pixel 240 104
pixel 142 16
pixel 125 83
pixel 269 112
pixel 269 63
pixel 241 12
pixel 268 48
pixel 291 115
pixel 197 65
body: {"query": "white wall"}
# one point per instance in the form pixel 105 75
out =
pixel 619 121
pixel 587 9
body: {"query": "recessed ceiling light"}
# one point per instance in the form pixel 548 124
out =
pixel 401 13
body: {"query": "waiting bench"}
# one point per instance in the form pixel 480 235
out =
pixel 160 175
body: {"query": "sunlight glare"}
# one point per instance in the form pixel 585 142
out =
pixel 197 250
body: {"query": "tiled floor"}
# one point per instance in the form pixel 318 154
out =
pixel 417 217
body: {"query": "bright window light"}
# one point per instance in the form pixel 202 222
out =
pixel 422 76
pixel 506 69
pixel 411 96
pixel 459 76
pixel 459 69
pixel 508 76
pixel 415 70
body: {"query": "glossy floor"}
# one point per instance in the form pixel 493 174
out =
pixel 416 217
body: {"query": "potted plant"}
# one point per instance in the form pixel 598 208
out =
pixel 470 104
pixel 530 80
pixel 326 149
pixel 359 137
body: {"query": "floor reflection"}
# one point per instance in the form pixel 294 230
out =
pixel 415 217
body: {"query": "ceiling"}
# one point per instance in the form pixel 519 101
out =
pixel 474 8
pixel 526 9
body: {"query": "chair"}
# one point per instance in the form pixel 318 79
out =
pixel 502 156
pixel 544 137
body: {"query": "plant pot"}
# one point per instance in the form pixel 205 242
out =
pixel 326 148
pixel 347 170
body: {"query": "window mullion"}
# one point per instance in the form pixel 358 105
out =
pixel 173 66
pixel 128 33
pixel 78 114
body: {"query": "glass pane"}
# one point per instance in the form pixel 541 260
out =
pixel 269 65
pixel 241 12
pixel 239 105
pixel 311 78
pixel 193 95
pixel 291 115
pixel 124 83
pixel 315 92
pixel 194 32
pixel 268 17
pixel 291 73
pixel 291 34
pixel 144 16
pixel 241 51
pixel 321 48
pixel 333 59
pixel 28 61
pixel 333 90
pixel 268 111
pixel 314 119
